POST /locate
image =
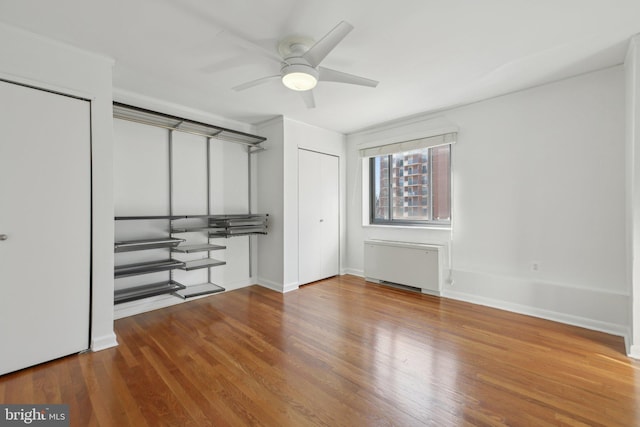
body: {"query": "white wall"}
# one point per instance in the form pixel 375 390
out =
pixel 270 172
pixel 277 172
pixel 141 180
pixel 632 74
pixel 538 176
pixel 33 60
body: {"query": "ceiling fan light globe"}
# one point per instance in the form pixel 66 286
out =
pixel 299 81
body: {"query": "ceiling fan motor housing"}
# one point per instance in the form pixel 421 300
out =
pixel 297 74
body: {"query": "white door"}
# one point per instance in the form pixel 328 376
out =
pixel 319 216
pixel 45 220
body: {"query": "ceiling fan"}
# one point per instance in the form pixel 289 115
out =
pixel 300 58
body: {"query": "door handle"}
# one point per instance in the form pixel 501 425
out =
pixel 322 220
pixel 3 237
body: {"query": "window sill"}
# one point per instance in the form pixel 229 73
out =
pixel 410 227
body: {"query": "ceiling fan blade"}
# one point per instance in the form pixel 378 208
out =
pixel 321 49
pixel 307 96
pixel 329 75
pixel 249 45
pixel 253 83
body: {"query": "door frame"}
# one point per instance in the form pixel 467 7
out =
pixel 40 86
pixel 339 196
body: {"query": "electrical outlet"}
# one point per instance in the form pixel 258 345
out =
pixel 535 265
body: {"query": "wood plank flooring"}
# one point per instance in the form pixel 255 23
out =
pixel 340 352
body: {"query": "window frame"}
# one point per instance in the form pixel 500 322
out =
pixel 407 222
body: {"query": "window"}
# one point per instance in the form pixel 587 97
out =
pixel 411 187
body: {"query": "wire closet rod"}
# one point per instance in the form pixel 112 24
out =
pixel 179 124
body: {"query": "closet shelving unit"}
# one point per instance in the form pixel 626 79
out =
pixel 160 265
pixel 215 226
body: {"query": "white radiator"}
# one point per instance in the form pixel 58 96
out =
pixel 411 264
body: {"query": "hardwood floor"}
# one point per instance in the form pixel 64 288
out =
pixel 341 352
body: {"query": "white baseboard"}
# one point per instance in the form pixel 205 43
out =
pixel 278 287
pixel 104 342
pixel 354 272
pixel 290 287
pixel 583 322
pixel 266 283
pixel 634 352
pixel 594 309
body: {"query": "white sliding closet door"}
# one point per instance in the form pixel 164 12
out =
pixel 45 220
pixel 319 214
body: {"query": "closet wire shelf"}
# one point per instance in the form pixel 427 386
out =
pixel 204 247
pixel 198 290
pixel 167 121
pixel 142 244
pixel 201 263
pixel 147 267
pixel 226 225
pixel 145 291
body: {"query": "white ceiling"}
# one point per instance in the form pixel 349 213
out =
pixel 427 54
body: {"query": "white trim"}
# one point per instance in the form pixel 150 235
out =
pixel 290 287
pixel 47 86
pixel 269 284
pixel 340 159
pixel 354 272
pixel 598 309
pixel 634 352
pixel 627 340
pixel 104 342
pixel 596 325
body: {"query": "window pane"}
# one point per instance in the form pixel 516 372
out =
pixel 380 168
pixel 410 188
pixel 441 177
pixel 414 186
